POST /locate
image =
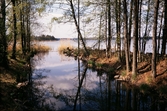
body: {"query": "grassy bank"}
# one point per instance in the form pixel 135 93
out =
pixel 111 65
pixel 10 98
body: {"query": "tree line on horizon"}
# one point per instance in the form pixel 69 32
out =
pixel 45 38
pixel 133 20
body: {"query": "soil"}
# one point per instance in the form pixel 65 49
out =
pixel 144 75
pixel 8 83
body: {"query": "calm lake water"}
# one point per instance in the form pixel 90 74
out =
pixel 67 84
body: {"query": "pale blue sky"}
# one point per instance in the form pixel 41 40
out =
pixel 62 30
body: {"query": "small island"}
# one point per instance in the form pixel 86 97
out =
pixel 45 38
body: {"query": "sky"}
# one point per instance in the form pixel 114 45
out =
pixel 63 30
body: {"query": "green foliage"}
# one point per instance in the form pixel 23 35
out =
pixel 144 88
pixel 134 76
pixel 123 73
pixel 162 89
pixel 45 38
pixel 149 79
pixel 98 64
pixel 111 70
pixel 90 62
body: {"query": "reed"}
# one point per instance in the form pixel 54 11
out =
pixel 40 48
pixel 64 44
pixel 37 47
pixel 10 47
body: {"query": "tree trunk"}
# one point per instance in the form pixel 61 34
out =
pixel 118 26
pixel 22 28
pixel 146 29
pixel 130 21
pixel 135 38
pixel 100 25
pixel 156 6
pixel 160 30
pixel 23 35
pixel 130 30
pixel 106 16
pixel 109 28
pixel 164 37
pixel 14 29
pixel 77 27
pixel 3 42
pixel 126 36
pixel 140 13
pixel 28 35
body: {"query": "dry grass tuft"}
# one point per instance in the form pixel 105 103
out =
pixel 64 44
pixel 7 78
pixel 37 47
pixel 10 47
pixel 40 48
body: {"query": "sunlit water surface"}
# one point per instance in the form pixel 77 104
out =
pixel 60 87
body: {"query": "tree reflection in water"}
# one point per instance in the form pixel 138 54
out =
pixel 108 94
pixel 33 96
pixel 111 95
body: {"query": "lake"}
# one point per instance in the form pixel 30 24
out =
pixel 65 83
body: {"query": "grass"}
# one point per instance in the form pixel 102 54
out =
pixel 64 44
pixel 134 76
pixel 35 48
pixel 144 88
pixel 123 73
pixel 40 48
pixel 90 62
pixel 149 79
pixel 111 70
pixel 99 65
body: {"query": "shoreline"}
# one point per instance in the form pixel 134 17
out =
pixel 98 61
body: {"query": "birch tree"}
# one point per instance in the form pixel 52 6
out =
pixel 135 37
pixel 126 36
pixel 164 36
pixel 118 26
pixel 77 26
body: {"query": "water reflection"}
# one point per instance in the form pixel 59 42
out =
pixel 80 85
pixel 64 83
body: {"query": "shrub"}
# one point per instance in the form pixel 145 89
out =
pixel 123 73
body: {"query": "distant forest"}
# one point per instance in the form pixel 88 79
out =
pixel 45 38
pixel 49 37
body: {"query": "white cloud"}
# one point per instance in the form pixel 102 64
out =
pixel 62 30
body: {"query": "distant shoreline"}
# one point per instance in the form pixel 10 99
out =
pixel 52 38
